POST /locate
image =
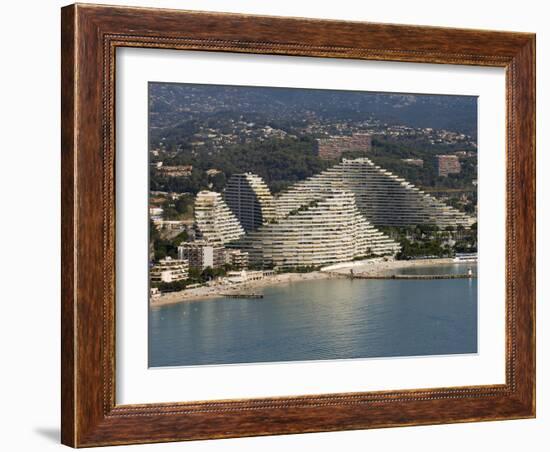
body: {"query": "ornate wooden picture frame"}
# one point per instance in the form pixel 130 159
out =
pixel 90 37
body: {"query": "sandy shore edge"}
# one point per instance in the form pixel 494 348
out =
pixel 369 267
pixel 207 293
pixel 382 267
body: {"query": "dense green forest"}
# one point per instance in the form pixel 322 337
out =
pixel 282 162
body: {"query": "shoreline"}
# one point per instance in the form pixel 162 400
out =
pixel 382 267
pixel 370 267
pixel 208 293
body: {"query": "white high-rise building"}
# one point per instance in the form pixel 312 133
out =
pixel 214 220
pixel 382 197
pixel 249 198
pixel 326 229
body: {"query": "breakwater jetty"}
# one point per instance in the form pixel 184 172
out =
pixel 412 277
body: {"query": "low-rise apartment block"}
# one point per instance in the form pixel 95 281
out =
pixel 236 258
pixel 200 254
pixel 169 270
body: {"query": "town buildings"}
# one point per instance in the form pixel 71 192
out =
pixel 201 254
pixel 174 171
pixel 333 147
pixel 169 270
pixel 156 213
pixel 171 226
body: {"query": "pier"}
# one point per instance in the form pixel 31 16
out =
pixel 242 295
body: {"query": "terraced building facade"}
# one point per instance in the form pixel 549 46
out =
pixel 250 200
pixel 328 218
pixel 328 228
pixel 382 197
pixel 214 220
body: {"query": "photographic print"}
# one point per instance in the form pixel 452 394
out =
pixel 291 224
pixel 286 210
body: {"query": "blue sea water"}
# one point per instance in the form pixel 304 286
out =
pixel 321 320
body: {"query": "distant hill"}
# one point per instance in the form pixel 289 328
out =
pixel 172 104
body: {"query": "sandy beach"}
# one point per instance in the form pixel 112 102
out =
pixel 382 267
pixel 371 267
pixel 206 293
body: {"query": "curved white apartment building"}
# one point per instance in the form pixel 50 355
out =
pixel 214 220
pixel 382 197
pixel 328 228
pixel 250 200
